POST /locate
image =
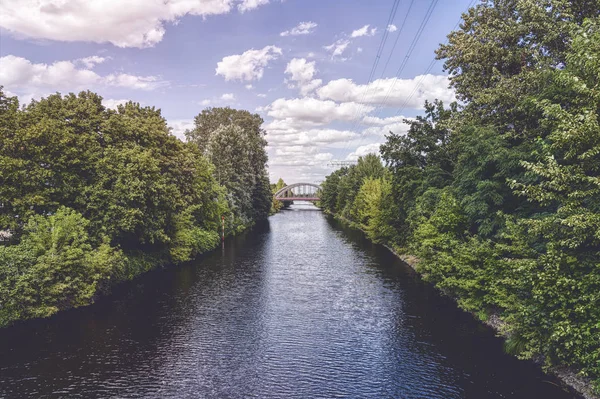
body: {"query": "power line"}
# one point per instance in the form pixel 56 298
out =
pixel 409 52
pixel 397 38
pixel 433 62
pixel 378 56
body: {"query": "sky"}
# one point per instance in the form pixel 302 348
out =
pixel 330 78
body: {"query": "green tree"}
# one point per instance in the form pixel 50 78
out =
pixel 424 157
pixel 54 267
pixel 234 142
pixel 560 316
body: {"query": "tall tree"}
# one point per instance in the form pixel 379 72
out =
pixel 234 142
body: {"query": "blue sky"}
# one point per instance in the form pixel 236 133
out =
pixel 309 84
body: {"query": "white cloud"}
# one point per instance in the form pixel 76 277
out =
pixel 300 159
pixel 247 66
pixel 374 120
pixel 249 87
pixel 262 95
pixel 310 111
pixel 309 87
pixel 364 31
pixel 228 97
pixel 112 103
pixel 300 69
pixel 302 72
pixel 248 5
pixel 392 28
pixel 92 61
pixel 134 23
pixel 390 92
pixel 303 28
pixel 398 128
pixel 134 82
pixel 179 126
pixel 310 137
pixel 205 102
pixel 364 150
pixel 359 50
pixel 383 126
pixel 337 48
pixel 19 74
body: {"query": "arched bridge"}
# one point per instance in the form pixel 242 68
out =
pixel 299 192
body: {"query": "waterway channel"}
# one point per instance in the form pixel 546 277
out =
pixel 300 307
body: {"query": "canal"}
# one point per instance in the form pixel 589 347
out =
pixel 298 308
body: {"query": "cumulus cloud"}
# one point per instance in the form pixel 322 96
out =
pixel 133 81
pixel 307 111
pixel 383 126
pixel 262 95
pixel 228 97
pixel 92 61
pixel 249 87
pixel 392 28
pixel 20 74
pixel 409 93
pixel 300 69
pixel 299 159
pixel 303 28
pixel 381 131
pixel 247 66
pixel 364 31
pixel 205 102
pixel 310 137
pixel 247 5
pixel 302 73
pixel 363 150
pixel 337 48
pixel 134 23
pixel 374 120
pixel 179 126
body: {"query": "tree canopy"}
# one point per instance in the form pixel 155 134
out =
pixel 499 197
pixel 93 196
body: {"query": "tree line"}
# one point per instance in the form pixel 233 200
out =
pixel 498 196
pixel 93 196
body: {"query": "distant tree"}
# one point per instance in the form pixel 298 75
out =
pixel 234 142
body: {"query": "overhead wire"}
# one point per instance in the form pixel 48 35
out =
pixel 409 52
pixel 358 111
pixel 433 62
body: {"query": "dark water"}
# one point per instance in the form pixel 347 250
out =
pixel 299 308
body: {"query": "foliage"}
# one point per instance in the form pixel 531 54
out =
pixel 234 142
pixel 424 157
pixel 54 267
pixel 499 198
pixel 95 196
pixel 277 205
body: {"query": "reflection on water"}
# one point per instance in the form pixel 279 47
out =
pixel 297 308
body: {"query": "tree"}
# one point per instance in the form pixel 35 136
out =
pixel 54 267
pixel 559 316
pixel 424 157
pixel 233 141
pixel 496 56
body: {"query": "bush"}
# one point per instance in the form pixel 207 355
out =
pixel 54 267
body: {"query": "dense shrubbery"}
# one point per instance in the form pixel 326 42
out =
pixel 94 196
pixel 500 198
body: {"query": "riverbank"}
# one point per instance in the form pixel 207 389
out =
pixel 571 379
pixel 91 275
